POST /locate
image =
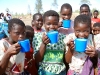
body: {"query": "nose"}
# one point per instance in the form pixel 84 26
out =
pixel 21 37
pixel 66 18
pixel 81 35
pixel 97 32
pixel 52 27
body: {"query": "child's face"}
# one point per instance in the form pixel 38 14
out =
pixel 38 22
pixel 82 30
pixel 84 10
pixel 95 14
pixel 51 23
pixel 30 35
pixel 17 33
pixel 32 23
pixel 66 13
pixel 96 30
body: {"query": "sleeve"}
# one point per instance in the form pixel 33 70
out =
pixel 1 50
pixel 97 41
pixel 67 38
pixel 37 40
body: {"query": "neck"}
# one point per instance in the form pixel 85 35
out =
pixel 10 41
pixel 37 29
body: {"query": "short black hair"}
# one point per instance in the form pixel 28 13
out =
pixel 96 11
pixel 85 5
pixel 82 19
pixel 34 16
pixel 50 13
pixel 97 24
pixel 67 6
pixel 29 28
pixel 15 21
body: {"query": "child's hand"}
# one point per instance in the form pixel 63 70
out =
pixel 91 51
pixel 45 39
pixel 14 49
pixel 70 44
pixel 29 64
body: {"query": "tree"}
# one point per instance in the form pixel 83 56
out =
pixel 29 10
pixel 85 2
pixel 55 4
pixel 38 6
pixel 7 10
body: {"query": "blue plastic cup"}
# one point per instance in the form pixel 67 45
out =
pixel 25 45
pixel 53 36
pixel 66 23
pixel 80 44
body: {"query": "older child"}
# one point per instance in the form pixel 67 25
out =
pixel 11 59
pixel 29 58
pixel 66 13
pixel 85 9
pixel 49 56
pixel 95 16
pixel 79 62
pixel 37 23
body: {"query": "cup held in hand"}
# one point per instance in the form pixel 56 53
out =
pixel 80 44
pixel 25 45
pixel 66 23
pixel 53 36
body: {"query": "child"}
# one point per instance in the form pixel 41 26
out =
pixel 95 16
pixel 49 56
pixel 30 61
pixel 79 62
pixel 66 13
pixel 96 28
pixel 37 23
pixel 97 44
pixel 85 9
pixel 11 59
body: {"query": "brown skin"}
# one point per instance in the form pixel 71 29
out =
pixel 29 35
pixel 38 22
pixel 17 33
pixel 51 23
pixel 85 10
pixel 66 13
pixel 95 14
pixel 81 31
pixel 96 30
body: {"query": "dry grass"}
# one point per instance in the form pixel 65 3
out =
pixel 27 20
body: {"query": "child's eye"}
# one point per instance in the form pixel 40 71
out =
pixel 17 33
pixel 77 31
pixel 86 31
pixel 48 23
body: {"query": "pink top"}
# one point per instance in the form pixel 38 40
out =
pixel 67 31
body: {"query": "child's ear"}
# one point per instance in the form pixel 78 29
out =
pixel 8 31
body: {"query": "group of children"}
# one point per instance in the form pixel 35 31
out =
pixel 45 58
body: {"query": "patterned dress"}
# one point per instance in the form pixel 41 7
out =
pixel 78 58
pixel 52 63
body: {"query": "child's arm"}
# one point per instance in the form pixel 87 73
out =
pixel 39 55
pixel 68 55
pixel 12 50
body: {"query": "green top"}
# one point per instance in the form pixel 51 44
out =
pixel 53 57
